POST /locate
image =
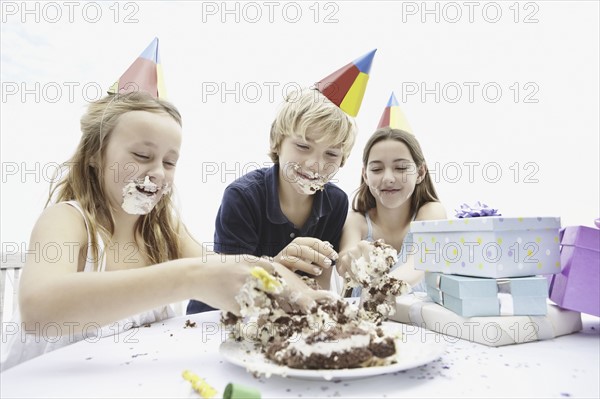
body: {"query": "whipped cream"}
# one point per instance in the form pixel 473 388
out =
pixel 140 197
pixel 313 183
pixel 378 296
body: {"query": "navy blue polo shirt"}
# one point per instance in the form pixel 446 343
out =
pixel 250 220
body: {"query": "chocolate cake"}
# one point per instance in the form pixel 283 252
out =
pixel 332 335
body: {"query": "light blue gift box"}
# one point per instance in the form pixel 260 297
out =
pixel 492 246
pixel 471 296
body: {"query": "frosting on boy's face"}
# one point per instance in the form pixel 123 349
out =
pixel 391 173
pixel 140 160
pixel 308 164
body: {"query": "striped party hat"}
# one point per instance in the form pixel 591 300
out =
pixel 346 86
pixel 145 74
pixel 394 117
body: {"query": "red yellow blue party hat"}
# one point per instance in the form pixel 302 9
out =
pixel 393 116
pixel 145 74
pixel 346 86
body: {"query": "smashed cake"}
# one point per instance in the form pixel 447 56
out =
pixel 379 289
pixel 333 334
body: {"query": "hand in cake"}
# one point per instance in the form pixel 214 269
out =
pixel 268 277
pixel 307 254
pixel 218 289
pixel 367 262
pixel 362 250
pixel 299 295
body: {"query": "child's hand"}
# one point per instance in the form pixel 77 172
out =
pixel 219 282
pixel 222 282
pixel 307 254
pixel 362 249
pixel 298 294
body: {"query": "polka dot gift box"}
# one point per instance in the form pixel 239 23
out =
pixel 491 246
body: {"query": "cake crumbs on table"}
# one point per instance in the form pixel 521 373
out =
pixel 189 323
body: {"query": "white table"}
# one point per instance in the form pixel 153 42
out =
pixel 148 362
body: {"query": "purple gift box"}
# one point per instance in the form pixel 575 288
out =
pixel 577 287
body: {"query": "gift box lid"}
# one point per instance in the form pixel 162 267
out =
pixel 486 223
pixel 581 236
pixel 462 286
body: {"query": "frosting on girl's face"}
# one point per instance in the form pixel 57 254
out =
pixel 391 173
pixel 141 196
pixel 140 161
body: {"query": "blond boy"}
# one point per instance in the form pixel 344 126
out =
pixel 290 211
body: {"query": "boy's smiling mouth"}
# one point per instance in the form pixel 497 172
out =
pixel 309 181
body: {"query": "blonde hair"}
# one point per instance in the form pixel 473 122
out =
pixel 424 192
pixel 309 109
pixel 83 177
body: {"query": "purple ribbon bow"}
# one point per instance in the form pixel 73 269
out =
pixel 478 210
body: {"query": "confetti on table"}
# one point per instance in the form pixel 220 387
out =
pixel 199 385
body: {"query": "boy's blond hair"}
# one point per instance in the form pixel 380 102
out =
pixel 309 109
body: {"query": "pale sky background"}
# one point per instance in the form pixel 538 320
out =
pixel 544 143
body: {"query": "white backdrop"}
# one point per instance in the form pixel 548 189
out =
pixel 502 95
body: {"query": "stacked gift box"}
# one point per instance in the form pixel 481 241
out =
pixel 502 258
pixel 472 296
pixel 577 286
pixel 493 267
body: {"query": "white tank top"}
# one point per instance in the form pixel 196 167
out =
pixel 17 346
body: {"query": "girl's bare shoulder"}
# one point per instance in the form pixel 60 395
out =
pixel 432 211
pixel 61 219
pixel 357 221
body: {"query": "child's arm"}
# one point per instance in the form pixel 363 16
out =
pixel 304 296
pixel 353 232
pixel 53 291
pixel 406 271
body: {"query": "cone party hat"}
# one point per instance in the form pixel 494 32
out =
pixel 394 117
pixel 346 86
pixel 145 74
